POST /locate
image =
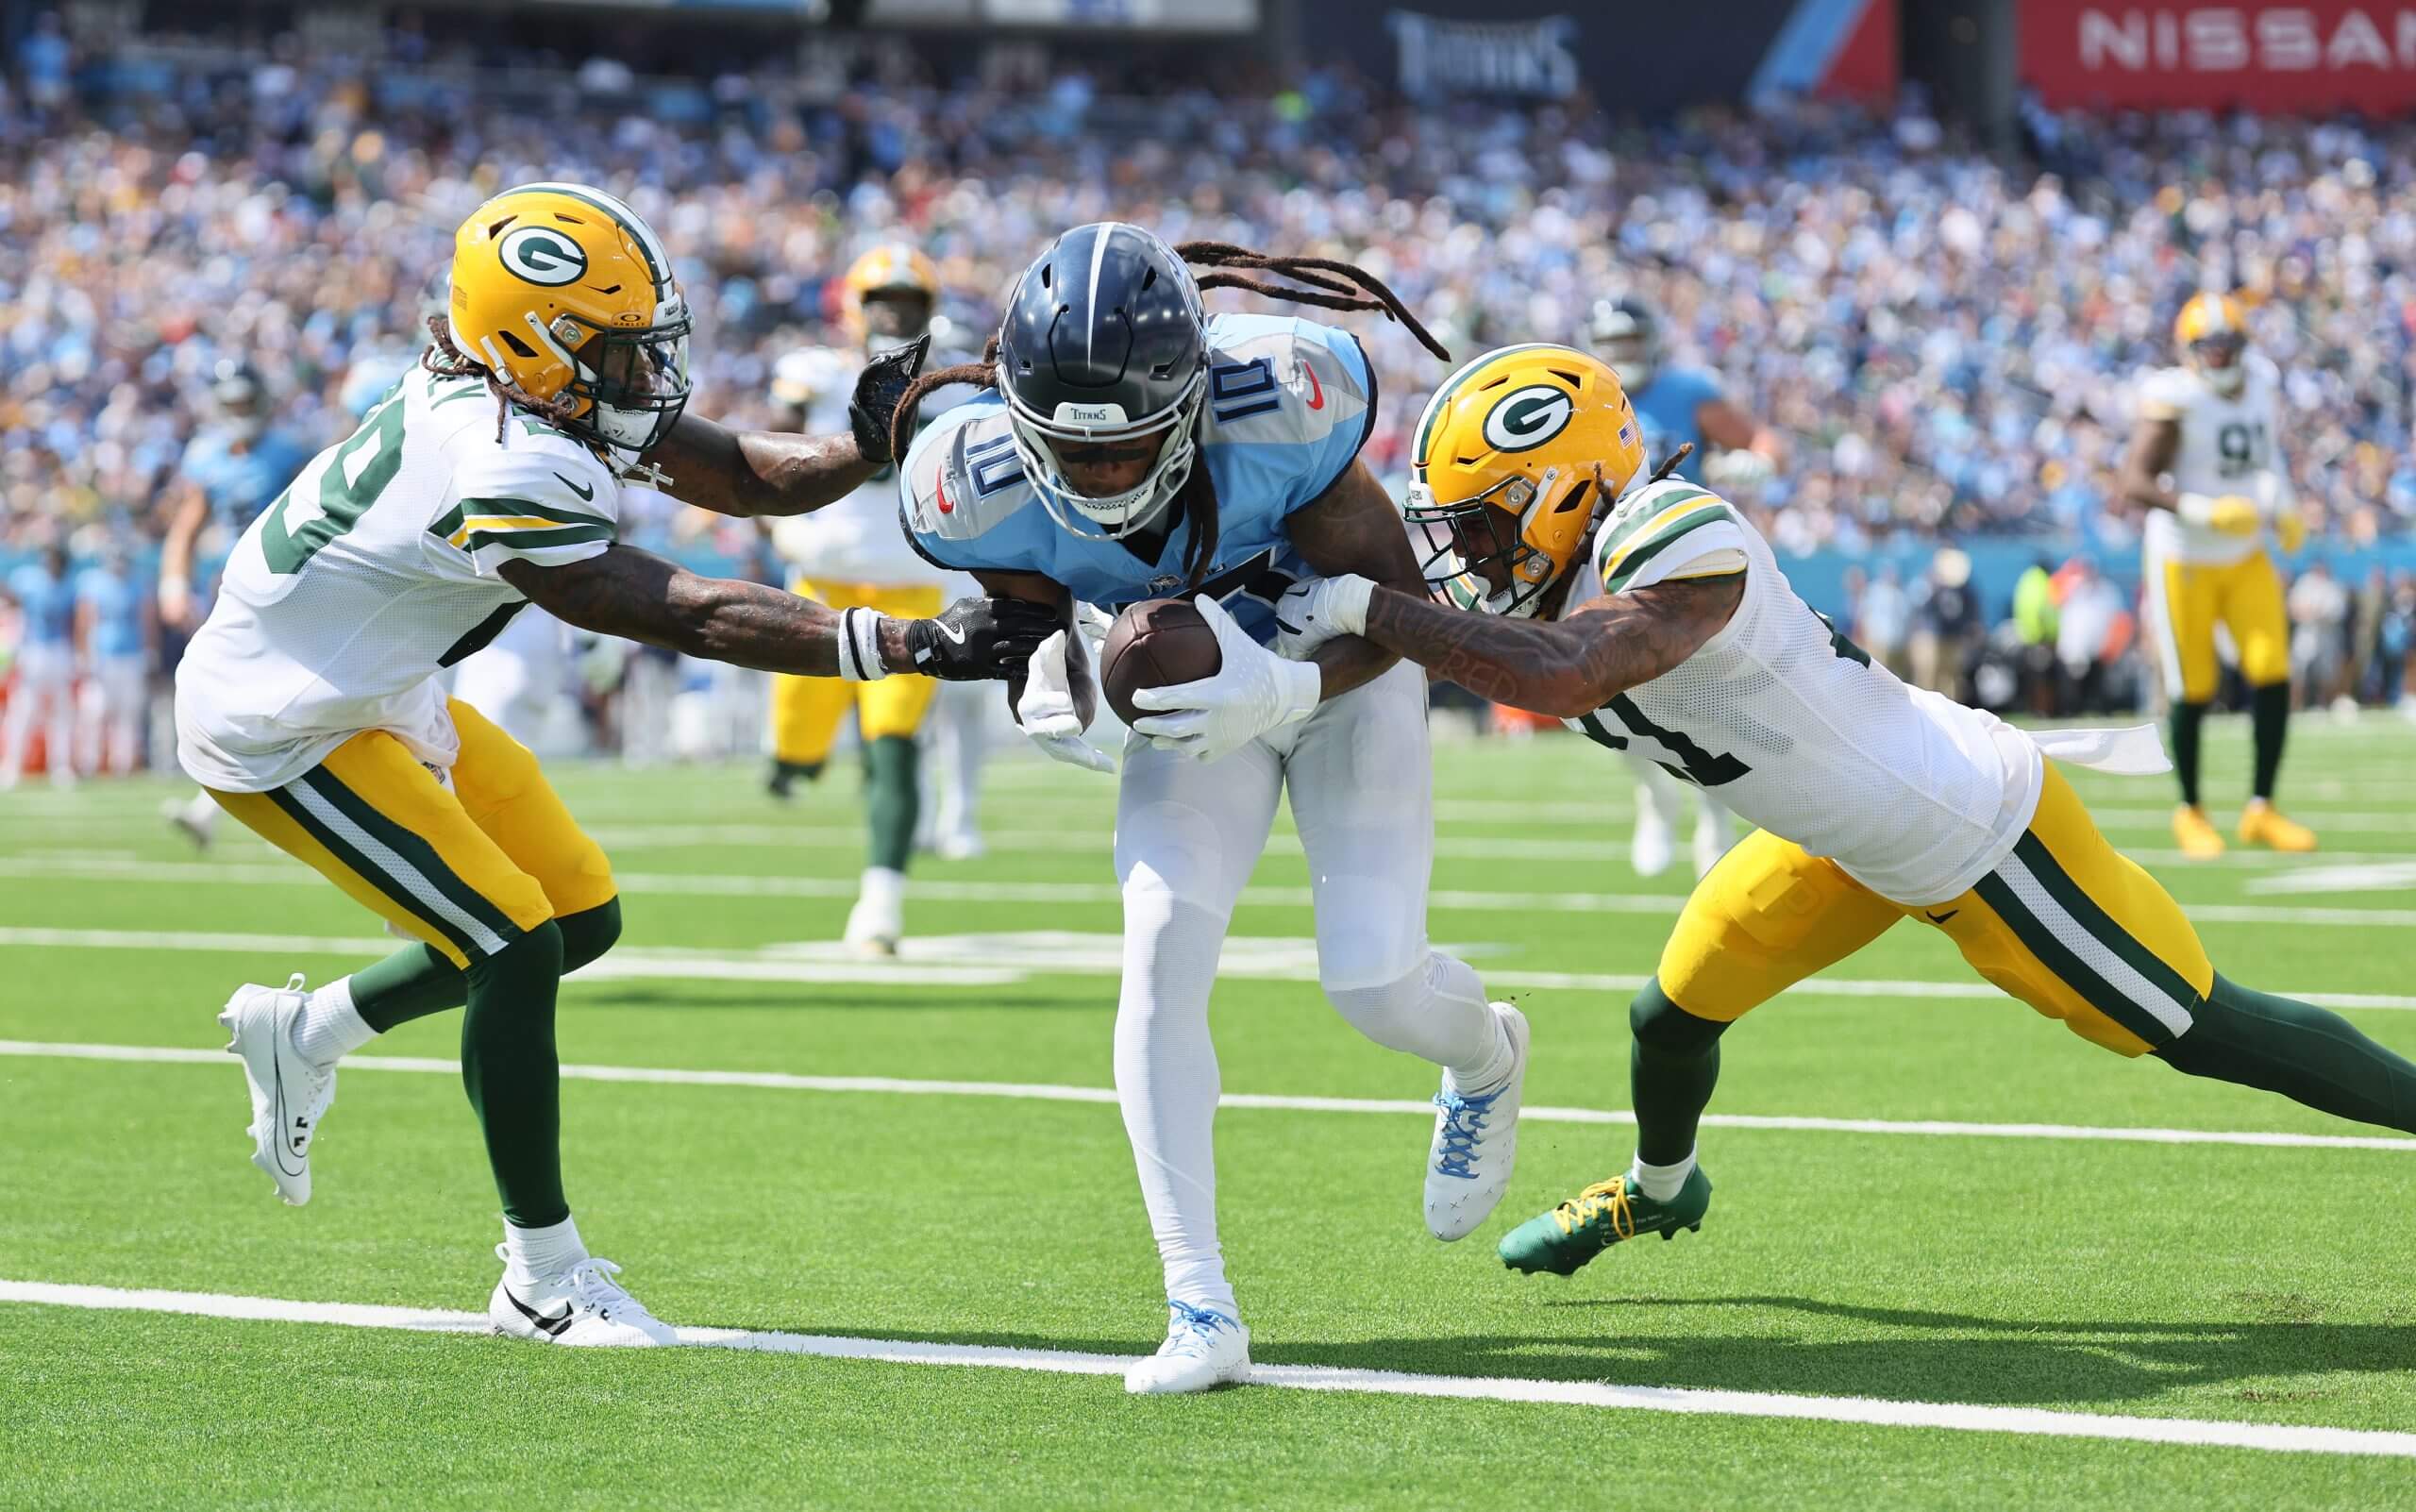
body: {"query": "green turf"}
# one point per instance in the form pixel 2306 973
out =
pixel 2253 1284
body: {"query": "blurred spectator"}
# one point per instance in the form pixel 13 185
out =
pixel 2091 638
pixel 46 599
pixel 1947 626
pixel 1883 620
pixel 116 641
pixel 2319 608
pixel 2034 624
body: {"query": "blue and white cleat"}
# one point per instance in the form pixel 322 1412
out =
pixel 1476 1143
pixel 290 1094
pixel 1204 1350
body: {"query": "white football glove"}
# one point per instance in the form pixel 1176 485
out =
pixel 1737 467
pixel 1254 691
pixel 1046 709
pixel 1316 609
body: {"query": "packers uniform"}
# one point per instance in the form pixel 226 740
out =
pixel 2199 577
pixel 307 705
pixel 1876 801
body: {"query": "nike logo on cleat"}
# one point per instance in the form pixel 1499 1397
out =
pixel 546 1324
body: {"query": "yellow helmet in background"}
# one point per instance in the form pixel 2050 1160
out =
pixel 887 272
pixel 2212 333
pixel 563 290
pixel 1516 455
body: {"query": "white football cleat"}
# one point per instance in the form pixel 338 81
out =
pixel 290 1094
pixel 1204 1350
pixel 1652 848
pixel 878 921
pixel 1714 835
pixel 187 818
pixel 584 1307
pixel 1476 1143
pixel 960 845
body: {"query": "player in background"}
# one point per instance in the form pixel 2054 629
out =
pixel 852 554
pixel 117 638
pixel 1136 447
pixel 44 595
pixel 1678 406
pixel 231 471
pixel 308 707
pixel 1669 630
pixel 2206 464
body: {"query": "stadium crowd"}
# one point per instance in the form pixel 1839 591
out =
pixel 1947 340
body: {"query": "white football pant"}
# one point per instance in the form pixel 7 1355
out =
pixel 110 736
pixel 1186 838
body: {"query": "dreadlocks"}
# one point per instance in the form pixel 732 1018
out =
pixel 1330 285
pixel 445 359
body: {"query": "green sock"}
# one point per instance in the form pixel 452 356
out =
pixel 1672 1066
pixel 513 1079
pixel 2305 1053
pixel 2268 709
pixel 892 803
pixel 2187 718
pixel 416 980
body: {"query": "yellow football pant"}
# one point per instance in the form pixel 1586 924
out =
pixel 2065 923
pixel 806 710
pixel 467 870
pixel 2186 600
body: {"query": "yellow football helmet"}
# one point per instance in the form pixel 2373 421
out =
pixel 2212 332
pixel 564 289
pixel 1516 455
pixel 886 273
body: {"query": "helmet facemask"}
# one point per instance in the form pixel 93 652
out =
pixel 2227 378
pixel 1113 515
pixel 635 382
pixel 1463 539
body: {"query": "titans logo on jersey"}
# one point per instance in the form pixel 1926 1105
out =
pixel 1290 402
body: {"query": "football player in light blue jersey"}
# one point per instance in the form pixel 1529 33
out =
pixel 1135 448
pixel 113 627
pixel 1678 406
pixel 44 595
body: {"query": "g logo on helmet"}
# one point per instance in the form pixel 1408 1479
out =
pixel 541 255
pixel 1524 419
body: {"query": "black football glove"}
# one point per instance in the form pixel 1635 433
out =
pixel 879 388
pixel 977 639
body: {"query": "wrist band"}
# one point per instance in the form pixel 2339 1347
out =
pixel 860 645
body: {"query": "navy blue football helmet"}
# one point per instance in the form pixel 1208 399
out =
pixel 1105 340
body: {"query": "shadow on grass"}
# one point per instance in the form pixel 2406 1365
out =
pixel 1893 1353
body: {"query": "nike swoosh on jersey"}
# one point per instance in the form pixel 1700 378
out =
pixel 1316 390
pixel 586 495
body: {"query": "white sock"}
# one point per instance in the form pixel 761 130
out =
pixel 882 888
pixel 541 1254
pixel 331 1027
pixel 1660 1183
pixel 201 811
pixel 1167 1082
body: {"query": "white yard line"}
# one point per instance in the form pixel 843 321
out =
pixel 1044 1092
pixel 823 963
pixel 1867 1411
pixel 1019 893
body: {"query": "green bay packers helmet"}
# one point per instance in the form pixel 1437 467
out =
pixel 563 291
pixel 1516 455
pixel 2212 332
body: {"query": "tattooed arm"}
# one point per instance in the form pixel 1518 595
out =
pixel 748 473
pixel 1353 528
pixel 623 591
pixel 1564 668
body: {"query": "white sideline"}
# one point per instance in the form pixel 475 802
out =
pixel 1044 1092
pixel 1869 1411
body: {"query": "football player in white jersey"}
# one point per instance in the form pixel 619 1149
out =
pixel 2206 464
pixel 307 704
pixel 852 555
pixel 1669 628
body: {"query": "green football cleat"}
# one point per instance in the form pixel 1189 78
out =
pixel 1562 1240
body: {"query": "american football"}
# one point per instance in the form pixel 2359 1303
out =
pixel 1154 644
pixel 1788 631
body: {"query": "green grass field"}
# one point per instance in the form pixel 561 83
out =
pixel 2068 1272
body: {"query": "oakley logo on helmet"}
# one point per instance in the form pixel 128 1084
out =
pixel 1526 418
pixel 541 255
